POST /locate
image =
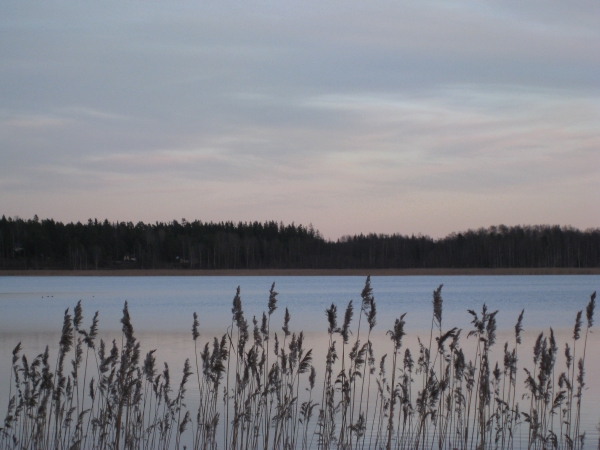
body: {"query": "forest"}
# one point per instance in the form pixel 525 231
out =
pixel 49 244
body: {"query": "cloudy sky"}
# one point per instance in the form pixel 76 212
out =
pixel 378 116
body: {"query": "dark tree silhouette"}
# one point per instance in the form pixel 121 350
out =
pixel 39 244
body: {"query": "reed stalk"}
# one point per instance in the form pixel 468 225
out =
pixel 255 394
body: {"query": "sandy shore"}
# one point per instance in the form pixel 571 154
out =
pixel 302 272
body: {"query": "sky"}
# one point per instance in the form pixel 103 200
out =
pixel 381 116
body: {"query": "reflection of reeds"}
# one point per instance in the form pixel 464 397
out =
pixel 249 383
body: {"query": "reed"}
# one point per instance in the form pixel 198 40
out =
pixel 258 388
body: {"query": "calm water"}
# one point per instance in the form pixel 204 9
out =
pixel 167 303
pixel 31 311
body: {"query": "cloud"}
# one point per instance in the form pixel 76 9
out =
pixel 308 112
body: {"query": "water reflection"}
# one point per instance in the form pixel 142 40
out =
pixel 163 319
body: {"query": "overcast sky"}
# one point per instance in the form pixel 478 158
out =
pixel 369 116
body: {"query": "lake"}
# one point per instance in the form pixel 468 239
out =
pixel 161 308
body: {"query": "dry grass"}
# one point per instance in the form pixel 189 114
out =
pixel 249 382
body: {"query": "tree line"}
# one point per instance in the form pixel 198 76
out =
pixel 49 244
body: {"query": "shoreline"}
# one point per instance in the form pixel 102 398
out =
pixel 299 272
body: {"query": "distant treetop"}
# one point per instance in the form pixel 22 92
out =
pixel 46 243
